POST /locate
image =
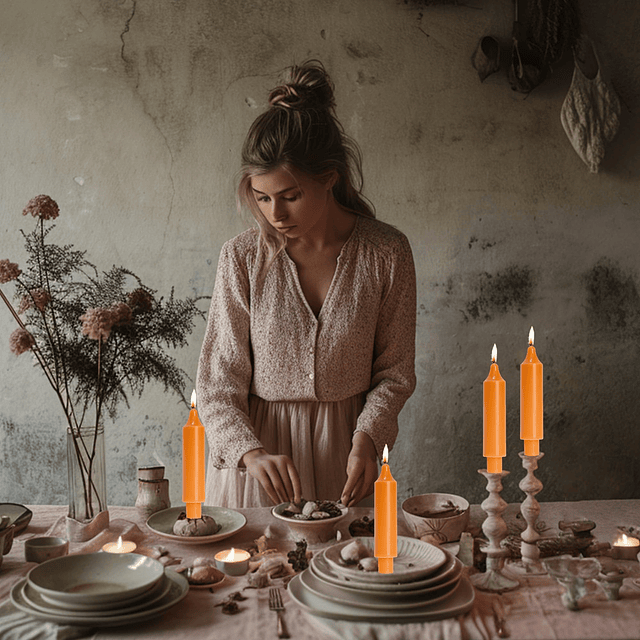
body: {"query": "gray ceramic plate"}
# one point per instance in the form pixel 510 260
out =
pixel 416 559
pixel 19 514
pixel 96 577
pixel 230 522
pixel 40 602
pixel 375 599
pixel 179 588
pixel 390 592
pixel 459 601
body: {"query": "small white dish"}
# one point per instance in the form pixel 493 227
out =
pixel 179 588
pixel 416 559
pixel 230 522
pixel 95 577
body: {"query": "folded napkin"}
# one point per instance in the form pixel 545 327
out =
pixel 17 625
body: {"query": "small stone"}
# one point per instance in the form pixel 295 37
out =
pixel 320 515
pixel 309 508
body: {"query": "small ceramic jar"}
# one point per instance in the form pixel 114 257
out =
pixel 153 491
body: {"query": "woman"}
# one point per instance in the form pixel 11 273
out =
pixel 308 355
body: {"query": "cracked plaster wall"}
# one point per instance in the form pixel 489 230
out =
pixel 131 115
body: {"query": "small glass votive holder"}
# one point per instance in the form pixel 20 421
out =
pixel 233 562
pixel 45 548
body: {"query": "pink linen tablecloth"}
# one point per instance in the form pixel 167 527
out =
pixel 534 611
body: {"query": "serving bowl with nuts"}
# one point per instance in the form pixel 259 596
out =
pixel 312 520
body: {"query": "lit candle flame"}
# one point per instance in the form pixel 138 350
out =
pixel 193 399
pixel 119 546
pixel 531 336
pixel 627 541
pixel 494 354
pixel 385 454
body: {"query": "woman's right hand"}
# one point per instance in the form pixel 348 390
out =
pixel 276 473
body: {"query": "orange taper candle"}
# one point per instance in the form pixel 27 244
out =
pixel 385 527
pixel 193 462
pixel 531 408
pixel 495 416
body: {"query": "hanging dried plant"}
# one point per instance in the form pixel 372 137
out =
pixel 554 25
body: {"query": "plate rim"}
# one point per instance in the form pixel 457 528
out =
pixel 197 539
pixel 378 605
pixel 382 586
pixel 117 596
pixel 406 576
pixel 25 514
pixel 464 586
pixel 105 621
pixel 80 613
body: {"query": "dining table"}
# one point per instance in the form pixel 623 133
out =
pixel 534 610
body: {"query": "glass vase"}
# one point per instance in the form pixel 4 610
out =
pixel 87 473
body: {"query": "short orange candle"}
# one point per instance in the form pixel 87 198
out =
pixel 495 416
pixel 531 407
pixel 193 462
pixel 385 528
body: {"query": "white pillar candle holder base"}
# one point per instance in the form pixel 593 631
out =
pixel 495 528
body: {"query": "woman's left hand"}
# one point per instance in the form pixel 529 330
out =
pixel 362 468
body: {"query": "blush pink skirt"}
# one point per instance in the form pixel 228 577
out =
pixel 315 435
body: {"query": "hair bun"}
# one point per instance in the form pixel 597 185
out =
pixel 306 86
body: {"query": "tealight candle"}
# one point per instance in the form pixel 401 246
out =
pixel 626 548
pixel 233 562
pixel 122 546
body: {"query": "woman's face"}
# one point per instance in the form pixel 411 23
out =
pixel 291 201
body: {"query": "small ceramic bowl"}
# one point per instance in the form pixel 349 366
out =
pixel 42 549
pixel 313 531
pixel 420 513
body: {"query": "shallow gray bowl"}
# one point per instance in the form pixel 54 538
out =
pixel 95 577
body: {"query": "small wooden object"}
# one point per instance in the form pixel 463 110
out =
pixel 495 528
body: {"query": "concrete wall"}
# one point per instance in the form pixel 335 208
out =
pixel 131 114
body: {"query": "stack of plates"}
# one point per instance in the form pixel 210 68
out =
pixel 427 584
pixel 99 589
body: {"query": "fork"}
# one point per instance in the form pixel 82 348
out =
pixel 275 604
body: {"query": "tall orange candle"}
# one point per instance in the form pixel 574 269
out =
pixel 385 491
pixel 494 391
pixel 531 407
pixel 193 462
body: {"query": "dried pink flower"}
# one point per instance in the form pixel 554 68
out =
pixel 140 300
pixel 42 207
pixel 38 297
pixel 121 313
pixel 97 323
pixel 8 271
pixel 20 341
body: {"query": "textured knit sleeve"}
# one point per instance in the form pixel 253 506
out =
pixel 224 368
pixel 393 378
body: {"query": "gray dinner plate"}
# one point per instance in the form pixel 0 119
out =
pixel 230 522
pixel 457 602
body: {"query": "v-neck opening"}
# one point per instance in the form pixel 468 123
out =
pixel 334 279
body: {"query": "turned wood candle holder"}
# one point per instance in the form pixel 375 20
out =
pixel 495 528
pixel 530 510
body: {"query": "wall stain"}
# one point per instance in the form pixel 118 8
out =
pixel 360 49
pixel 613 302
pixel 507 290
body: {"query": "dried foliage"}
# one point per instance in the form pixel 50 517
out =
pixel 99 337
pixel 554 25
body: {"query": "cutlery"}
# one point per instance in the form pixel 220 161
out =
pixel 499 618
pixel 275 604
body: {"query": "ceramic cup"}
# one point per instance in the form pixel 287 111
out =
pixel 42 549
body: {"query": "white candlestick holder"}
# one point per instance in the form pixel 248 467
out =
pixel 495 528
pixel 530 510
